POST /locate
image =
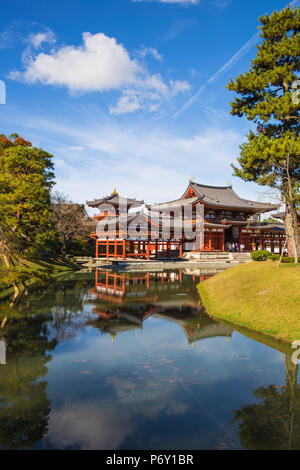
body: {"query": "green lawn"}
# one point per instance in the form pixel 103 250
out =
pixel 259 296
pixel 52 266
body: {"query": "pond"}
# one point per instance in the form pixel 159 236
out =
pixel 110 360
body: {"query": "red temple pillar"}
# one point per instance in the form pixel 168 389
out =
pixel 148 251
pixel 107 248
pixel 260 241
pixel 180 249
pixel 123 284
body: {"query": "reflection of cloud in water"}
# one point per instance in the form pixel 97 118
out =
pixel 147 399
pixel 89 427
pixel 98 426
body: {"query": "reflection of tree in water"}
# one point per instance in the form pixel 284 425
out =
pixel 68 316
pixel 30 334
pixel 24 407
pixel 274 423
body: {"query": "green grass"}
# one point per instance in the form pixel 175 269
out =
pixel 258 296
pixel 53 266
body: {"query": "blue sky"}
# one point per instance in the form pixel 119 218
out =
pixel 111 88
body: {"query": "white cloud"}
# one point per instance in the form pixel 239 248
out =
pixel 144 51
pixel 36 40
pixel 100 64
pixel 142 164
pixel 148 95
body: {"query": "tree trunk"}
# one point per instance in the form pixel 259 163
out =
pixel 291 384
pixel 291 226
pixel 292 231
pixel 8 261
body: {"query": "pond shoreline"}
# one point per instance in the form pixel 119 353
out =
pixel 54 267
pixel 258 297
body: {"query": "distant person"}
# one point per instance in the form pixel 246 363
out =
pixel 228 246
pixel 242 247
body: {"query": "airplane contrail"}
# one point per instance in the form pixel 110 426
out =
pixel 234 59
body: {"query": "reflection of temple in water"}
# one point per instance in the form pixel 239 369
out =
pixel 124 301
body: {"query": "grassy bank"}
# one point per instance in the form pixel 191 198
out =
pixel 48 266
pixel 258 296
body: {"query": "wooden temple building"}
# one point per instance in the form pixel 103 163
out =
pixel 227 218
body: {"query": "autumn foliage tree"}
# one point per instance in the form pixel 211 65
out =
pixel 72 225
pixel 266 96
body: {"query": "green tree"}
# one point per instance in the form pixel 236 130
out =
pixel 271 156
pixel 270 220
pixel 26 178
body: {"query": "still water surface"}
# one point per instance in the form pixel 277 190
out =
pixel 130 361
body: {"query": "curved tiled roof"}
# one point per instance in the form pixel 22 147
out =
pixel 115 199
pixel 224 196
pixel 165 206
pixel 281 215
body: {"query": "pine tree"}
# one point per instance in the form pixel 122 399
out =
pixel 26 178
pixel 271 156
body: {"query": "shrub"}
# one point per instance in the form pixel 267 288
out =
pixel 260 255
pixel 284 259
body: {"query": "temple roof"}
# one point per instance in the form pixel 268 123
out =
pixel 224 196
pixel 281 215
pixel 116 200
pixel 195 327
pixel 165 206
pixel 267 227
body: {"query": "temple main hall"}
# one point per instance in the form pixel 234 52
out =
pixel 228 220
